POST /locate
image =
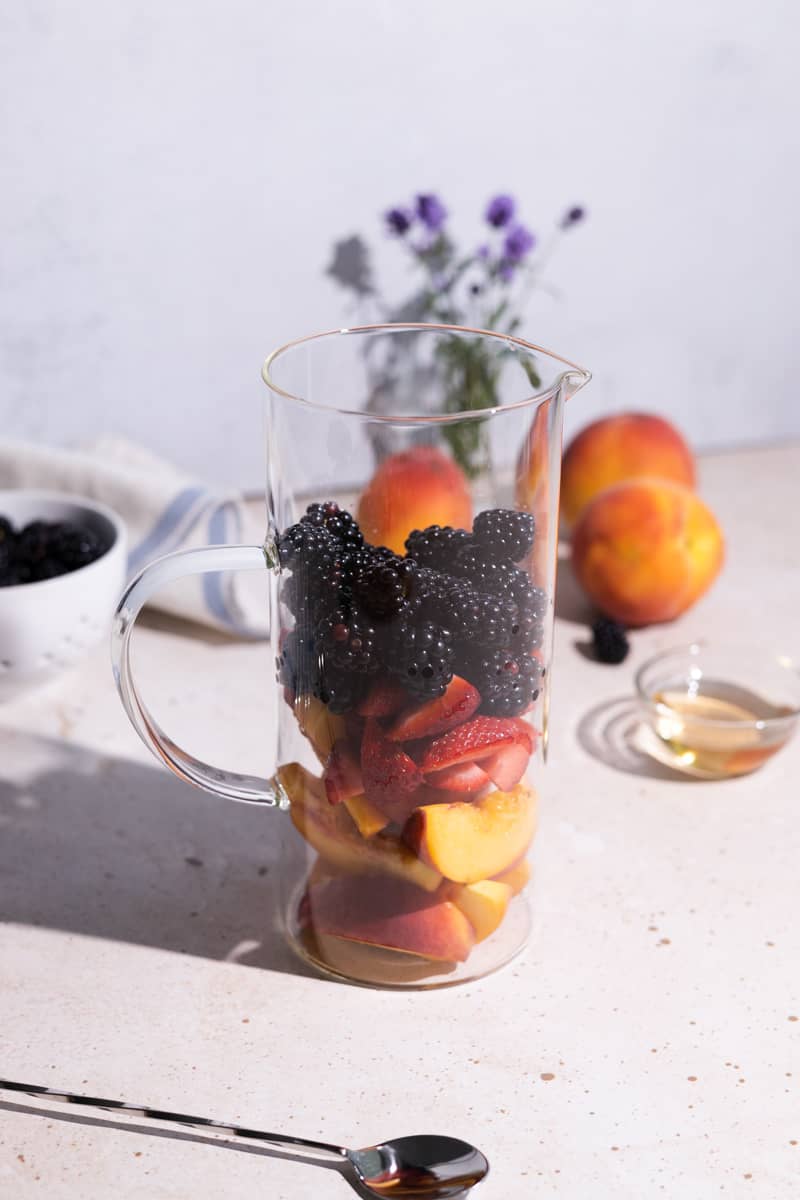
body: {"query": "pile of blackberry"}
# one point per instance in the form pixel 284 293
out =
pixel 44 549
pixel 456 603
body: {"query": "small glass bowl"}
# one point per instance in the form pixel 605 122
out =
pixel 716 711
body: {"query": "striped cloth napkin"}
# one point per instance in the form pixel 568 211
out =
pixel 164 510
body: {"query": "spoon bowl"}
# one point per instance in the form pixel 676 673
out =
pixel 426 1165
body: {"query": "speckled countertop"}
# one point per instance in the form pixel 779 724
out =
pixel 646 1043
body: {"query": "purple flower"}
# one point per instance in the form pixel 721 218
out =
pixel 572 216
pixel 500 210
pixel 431 211
pixel 399 220
pixel 519 241
pixel 506 272
pixel 483 252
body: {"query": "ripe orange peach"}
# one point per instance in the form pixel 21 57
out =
pixel 620 447
pixel 645 550
pixel 412 490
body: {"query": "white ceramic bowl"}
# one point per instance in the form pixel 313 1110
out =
pixel 49 625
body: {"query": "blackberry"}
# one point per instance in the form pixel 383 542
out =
pixel 384 585
pixel 340 690
pixel 305 545
pixel 503 533
pixel 33 543
pixel 345 641
pixel 508 682
pixel 73 546
pixel 610 642
pixel 436 546
pixel 420 656
pixel 13 575
pixel 337 521
pixel 297 665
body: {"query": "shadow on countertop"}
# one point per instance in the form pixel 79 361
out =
pixel 120 850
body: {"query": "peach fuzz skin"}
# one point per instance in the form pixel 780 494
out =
pixel 617 448
pixel 412 490
pixel 646 550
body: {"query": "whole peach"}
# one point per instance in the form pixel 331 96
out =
pixel 645 550
pixel 615 448
pixel 411 490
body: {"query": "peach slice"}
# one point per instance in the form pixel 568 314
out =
pixel 471 840
pixel 456 705
pixel 322 727
pixel 484 905
pixel 516 877
pixel 390 914
pixel 368 817
pixel 332 832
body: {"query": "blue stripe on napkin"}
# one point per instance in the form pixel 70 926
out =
pixel 163 534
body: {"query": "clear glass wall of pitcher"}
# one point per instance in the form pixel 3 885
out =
pixel 412 549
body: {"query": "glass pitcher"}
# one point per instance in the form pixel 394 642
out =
pixel 411 546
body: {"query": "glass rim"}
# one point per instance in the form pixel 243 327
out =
pixel 782 662
pixel 583 375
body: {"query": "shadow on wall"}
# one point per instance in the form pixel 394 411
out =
pixel 119 850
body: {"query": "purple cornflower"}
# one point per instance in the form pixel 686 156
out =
pixel 506 272
pixel 431 211
pixel 519 241
pixel 399 220
pixel 500 210
pixel 572 216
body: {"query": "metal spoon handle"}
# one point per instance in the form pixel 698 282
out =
pixel 119 1108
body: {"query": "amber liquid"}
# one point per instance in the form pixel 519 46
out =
pixel 704 732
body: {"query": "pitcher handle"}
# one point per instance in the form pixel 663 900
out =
pixel 230 784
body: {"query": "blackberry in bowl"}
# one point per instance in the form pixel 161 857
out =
pixel 62 568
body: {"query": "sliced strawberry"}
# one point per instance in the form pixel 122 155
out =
pixel 342 774
pixel 390 776
pixel 463 777
pixel 506 767
pixel 436 716
pixel 477 740
pixel 385 698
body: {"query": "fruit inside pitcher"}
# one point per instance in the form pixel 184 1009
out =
pixel 415 679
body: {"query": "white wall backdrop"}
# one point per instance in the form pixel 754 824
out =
pixel 175 171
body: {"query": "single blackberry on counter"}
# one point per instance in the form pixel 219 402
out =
pixel 383 587
pixel 420 656
pixel 610 642
pixel 436 546
pixel 337 521
pixel 508 682
pixel 346 641
pixel 504 533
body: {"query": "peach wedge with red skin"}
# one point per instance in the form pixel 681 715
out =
pixel 484 904
pixel 470 840
pixel 333 834
pixel 390 914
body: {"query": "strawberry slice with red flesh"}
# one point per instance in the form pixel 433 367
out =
pixel 390 777
pixel 342 774
pixel 455 706
pixel 385 698
pixel 463 777
pixel 500 745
